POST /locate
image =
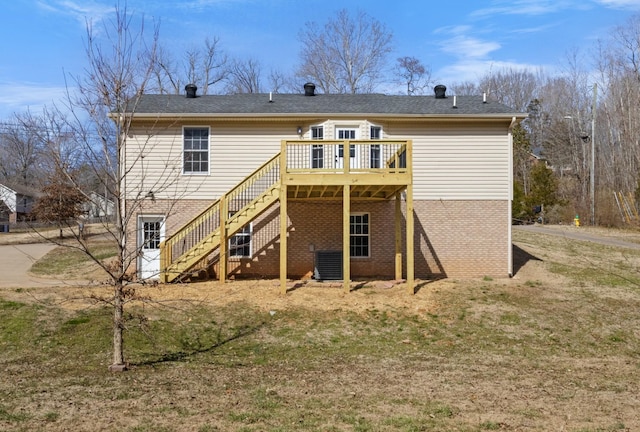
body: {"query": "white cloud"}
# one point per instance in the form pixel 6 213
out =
pixel 463 46
pixel 620 4
pixel 20 97
pixel 468 47
pixel 473 69
pixel 81 11
pixel 535 7
pixel 472 56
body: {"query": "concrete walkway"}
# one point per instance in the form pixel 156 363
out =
pixel 15 262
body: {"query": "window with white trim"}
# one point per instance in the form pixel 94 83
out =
pixel 195 150
pixel 317 150
pixel 375 160
pixel 240 243
pixel 359 235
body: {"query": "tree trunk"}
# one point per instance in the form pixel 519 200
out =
pixel 118 326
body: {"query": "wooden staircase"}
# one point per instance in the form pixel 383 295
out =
pixel 289 174
pixel 198 239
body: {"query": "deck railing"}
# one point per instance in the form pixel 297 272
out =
pixel 332 156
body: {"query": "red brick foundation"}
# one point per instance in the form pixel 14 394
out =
pixel 452 238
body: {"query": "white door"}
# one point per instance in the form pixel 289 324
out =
pixel 346 133
pixel 150 235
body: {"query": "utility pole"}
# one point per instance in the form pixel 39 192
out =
pixel 593 155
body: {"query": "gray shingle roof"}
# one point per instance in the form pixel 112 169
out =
pixel 258 104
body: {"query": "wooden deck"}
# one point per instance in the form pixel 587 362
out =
pixel 367 170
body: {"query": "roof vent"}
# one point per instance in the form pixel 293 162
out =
pixel 440 91
pixel 309 89
pixel 191 90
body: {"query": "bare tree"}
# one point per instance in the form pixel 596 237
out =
pixel 515 88
pixel 281 83
pixel 244 77
pixel 121 64
pixel 20 150
pixel 346 55
pixel 203 66
pixel 411 73
pixel 466 88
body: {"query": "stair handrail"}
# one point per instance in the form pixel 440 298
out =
pixel 211 216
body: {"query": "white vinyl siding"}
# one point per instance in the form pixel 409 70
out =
pixel 460 162
pixel 452 161
pixel 236 151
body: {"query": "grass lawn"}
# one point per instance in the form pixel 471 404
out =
pixel 557 347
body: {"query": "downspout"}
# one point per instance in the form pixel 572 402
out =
pixel 510 200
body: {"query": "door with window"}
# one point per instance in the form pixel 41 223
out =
pixel 347 133
pixel 150 235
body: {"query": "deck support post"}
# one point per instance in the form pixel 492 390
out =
pixel 398 235
pixel 410 249
pixel 283 239
pixel 346 238
pixel 224 255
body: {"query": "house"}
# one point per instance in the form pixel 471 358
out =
pixel 331 186
pixel 98 206
pixel 16 202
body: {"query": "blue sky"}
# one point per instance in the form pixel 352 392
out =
pixel 42 40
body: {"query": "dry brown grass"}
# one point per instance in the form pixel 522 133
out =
pixel 554 348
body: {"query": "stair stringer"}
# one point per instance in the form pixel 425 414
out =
pixel 183 264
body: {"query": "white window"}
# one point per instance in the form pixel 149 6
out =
pixel 240 243
pixel 359 237
pixel 195 153
pixel 375 160
pixel 317 151
pixel 347 133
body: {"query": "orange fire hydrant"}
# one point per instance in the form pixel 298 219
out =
pixel 576 220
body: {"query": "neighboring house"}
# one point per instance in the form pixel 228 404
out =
pixel 425 190
pixel 18 201
pixel 98 206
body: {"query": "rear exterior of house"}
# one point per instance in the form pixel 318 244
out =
pixel 325 186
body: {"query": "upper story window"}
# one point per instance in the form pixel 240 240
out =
pixel 195 153
pixel 375 161
pixel 317 150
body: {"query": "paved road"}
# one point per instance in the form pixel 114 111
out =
pixel 15 262
pixel 574 233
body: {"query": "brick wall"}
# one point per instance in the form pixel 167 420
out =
pixel 452 238
pixel 461 238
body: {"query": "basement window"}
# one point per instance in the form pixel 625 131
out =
pixel 359 235
pixel 240 243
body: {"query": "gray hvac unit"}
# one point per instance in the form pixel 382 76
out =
pixel 328 265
